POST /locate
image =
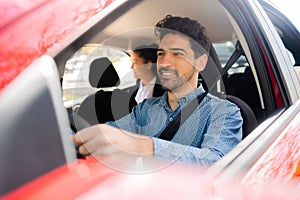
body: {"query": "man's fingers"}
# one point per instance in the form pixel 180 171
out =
pixel 85 135
pixel 106 140
pixel 82 150
pixel 78 139
pixel 89 140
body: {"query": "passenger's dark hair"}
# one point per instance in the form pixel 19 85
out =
pixel 192 29
pixel 147 52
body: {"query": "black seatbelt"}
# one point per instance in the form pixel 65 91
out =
pixel 180 118
pixel 238 52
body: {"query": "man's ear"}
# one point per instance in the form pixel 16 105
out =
pixel 201 62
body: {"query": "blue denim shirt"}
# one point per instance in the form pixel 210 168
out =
pixel 212 130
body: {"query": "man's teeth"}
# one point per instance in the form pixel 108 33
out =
pixel 168 73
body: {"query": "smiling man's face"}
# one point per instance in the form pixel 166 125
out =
pixel 176 62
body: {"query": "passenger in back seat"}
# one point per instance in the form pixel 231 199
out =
pixel 144 66
pixel 212 129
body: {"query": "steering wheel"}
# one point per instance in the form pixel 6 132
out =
pixel 76 121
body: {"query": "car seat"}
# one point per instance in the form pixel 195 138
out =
pixel 213 73
pixel 249 119
pixel 242 85
pixel 108 103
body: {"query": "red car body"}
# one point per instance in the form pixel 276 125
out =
pixel 89 179
pixel 32 28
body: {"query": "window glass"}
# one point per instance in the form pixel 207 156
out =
pixel 287 26
pixel 224 51
pixel 76 84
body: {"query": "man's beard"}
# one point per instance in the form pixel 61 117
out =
pixel 176 82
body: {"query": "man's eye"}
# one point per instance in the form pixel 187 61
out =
pixel 160 53
pixel 177 54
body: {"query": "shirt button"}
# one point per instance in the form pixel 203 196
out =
pixel 171 119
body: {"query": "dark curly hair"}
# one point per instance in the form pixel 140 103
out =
pixel 192 29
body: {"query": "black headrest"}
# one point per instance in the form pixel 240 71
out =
pixel 103 74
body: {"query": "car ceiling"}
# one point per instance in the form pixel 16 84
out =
pixel 147 13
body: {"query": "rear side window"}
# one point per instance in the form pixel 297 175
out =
pixel 76 84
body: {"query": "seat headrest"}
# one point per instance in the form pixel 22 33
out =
pixel 103 74
pixel 211 72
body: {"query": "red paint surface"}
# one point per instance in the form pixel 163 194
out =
pixel 89 179
pixel 12 10
pixel 30 27
pixel 65 182
pixel 281 163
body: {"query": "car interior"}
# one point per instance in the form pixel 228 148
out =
pixel 240 68
pixel 103 106
pixel 232 72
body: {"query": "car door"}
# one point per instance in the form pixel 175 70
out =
pixel 275 141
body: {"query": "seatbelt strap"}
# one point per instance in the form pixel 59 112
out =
pixel 180 118
pixel 238 52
